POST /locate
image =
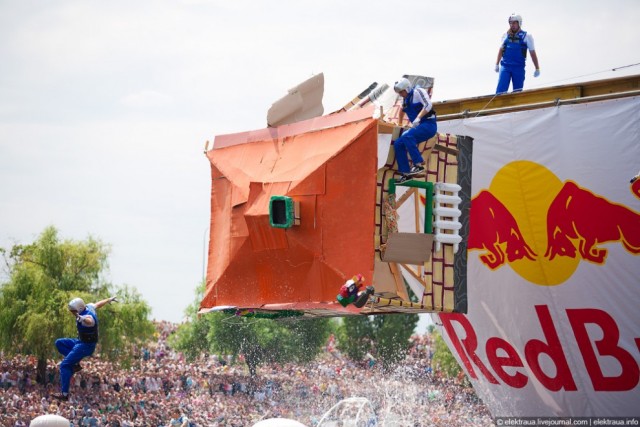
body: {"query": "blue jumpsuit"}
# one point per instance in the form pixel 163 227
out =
pixel 514 56
pixel 75 349
pixel 409 140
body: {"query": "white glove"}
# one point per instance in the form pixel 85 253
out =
pixel 80 318
pixel 416 122
pixel 497 68
pixel 536 73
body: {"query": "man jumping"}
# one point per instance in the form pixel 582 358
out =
pixel 75 349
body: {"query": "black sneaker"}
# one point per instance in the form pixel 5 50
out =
pixel 76 368
pixel 403 179
pixel 416 170
pixel 61 396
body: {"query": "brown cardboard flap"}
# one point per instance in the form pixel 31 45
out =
pixel 408 248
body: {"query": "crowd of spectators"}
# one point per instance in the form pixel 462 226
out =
pixel 161 386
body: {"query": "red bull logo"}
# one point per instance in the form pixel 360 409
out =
pixel 580 221
pixel 495 230
pixel 543 227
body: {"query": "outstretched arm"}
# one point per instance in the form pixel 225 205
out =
pixel 104 302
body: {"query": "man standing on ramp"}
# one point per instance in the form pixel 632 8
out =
pixel 512 56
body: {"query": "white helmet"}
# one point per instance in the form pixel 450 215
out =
pixel 402 84
pixel 351 284
pixel 515 17
pixel 77 304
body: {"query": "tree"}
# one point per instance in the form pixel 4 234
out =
pixel 385 337
pixel 258 340
pixel 125 325
pixel 268 341
pixel 42 278
pixel 355 337
pixel 191 338
pixel 443 358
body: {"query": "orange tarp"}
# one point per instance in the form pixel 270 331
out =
pixel 252 264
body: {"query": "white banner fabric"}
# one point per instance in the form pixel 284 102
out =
pixel 553 326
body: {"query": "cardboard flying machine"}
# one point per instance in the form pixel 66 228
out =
pixel 300 207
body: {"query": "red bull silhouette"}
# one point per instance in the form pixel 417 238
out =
pixel 494 229
pixel 635 185
pixel 577 216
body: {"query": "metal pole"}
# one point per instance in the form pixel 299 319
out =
pixel 204 252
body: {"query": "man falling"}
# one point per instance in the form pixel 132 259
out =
pixel 75 349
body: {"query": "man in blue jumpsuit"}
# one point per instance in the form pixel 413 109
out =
pixel 512 56
pixel 417 106
pixel 75 349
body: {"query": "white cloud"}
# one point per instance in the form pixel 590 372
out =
pixel 146 99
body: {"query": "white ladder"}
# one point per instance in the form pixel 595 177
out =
pixel 451 212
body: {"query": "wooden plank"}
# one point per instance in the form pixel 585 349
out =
pixel 507 100
pixel 397 274
pixel 530 97
pixel 446 149
pixel 415 275
pixel 405 196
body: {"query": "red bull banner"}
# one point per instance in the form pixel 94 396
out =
pixel 553 323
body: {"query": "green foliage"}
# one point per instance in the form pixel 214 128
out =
pixel 355 337
pixel 124 325
pixel 268 341
pixel 392 337
pixel 443 359
pixel 43 277
pixel 191 338
pixel 386 337
pixel 258 340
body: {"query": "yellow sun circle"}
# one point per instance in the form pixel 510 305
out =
pixel 527 190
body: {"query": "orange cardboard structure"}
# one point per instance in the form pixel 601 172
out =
pixel 328 166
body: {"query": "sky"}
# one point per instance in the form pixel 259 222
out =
pixel 105 107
